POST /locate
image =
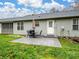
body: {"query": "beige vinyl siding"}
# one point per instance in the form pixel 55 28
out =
pixel 68 28
pixel 28 25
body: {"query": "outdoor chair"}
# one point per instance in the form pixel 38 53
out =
pixel 38 34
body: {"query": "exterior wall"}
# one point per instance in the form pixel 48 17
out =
pixel 68 29
pixel 58 24
pixel 43 27
pixel 0 28
pixel 28 26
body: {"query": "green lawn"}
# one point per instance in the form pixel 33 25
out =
pixel 9 50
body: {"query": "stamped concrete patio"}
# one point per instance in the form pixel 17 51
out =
pixel 54 42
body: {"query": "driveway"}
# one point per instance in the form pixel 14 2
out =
pixel 54 42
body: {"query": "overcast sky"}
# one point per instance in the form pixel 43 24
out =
pixel 19 8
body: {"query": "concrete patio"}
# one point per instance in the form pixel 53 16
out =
pixel 54 42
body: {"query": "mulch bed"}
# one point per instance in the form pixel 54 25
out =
pixel 75 39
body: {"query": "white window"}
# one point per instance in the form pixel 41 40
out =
pixel 50 23
pixel 75 24
pixel 20 26
pixel 37 23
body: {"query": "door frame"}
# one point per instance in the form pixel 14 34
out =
pixel 50 28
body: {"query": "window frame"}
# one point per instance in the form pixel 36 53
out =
pixel 50 24
pixel 20 25
pixel 75 24
pixel 37 24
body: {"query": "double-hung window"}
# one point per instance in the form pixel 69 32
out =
pixel 75 24
pixel 50 23
pixel 20 26
pixel 37 23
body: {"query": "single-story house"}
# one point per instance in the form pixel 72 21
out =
pixel 59 23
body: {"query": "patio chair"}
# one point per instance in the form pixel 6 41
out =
pixel 39 34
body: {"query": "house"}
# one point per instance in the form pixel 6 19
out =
pixel 64 23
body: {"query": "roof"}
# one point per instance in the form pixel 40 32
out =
pixel 62 14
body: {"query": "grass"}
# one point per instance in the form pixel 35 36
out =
pixel 9 50
pixel 70 48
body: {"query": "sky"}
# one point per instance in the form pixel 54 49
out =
pixel 20 8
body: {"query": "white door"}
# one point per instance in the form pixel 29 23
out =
pixel 50 27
